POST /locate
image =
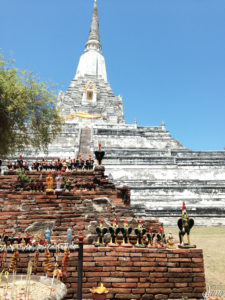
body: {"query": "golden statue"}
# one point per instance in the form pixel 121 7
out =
pixel 49 183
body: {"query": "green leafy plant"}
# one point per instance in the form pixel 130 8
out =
pixel 23 177
pixel 28 113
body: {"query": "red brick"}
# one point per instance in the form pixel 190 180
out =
pixel 183 284
pixel 125 285
pixel 93 269
pixel 200 270
pixel 157 274
pixel 95 279
pixel 88 264
pixel 131 279
pixel 159 291
pixel 199 279
pixel 136 274
pixel 161 259
pixel 138 291
pixel 107 263
pixel 179 270
pixel 200 260
pixel 98 254
pixel 143 285
pixel 161 285
pixel 158 280
pixel 160 269
pixel 154 255
pixel 127 296
pixel 179 259
pixel 115 253
pixel 117 274
pixel 182 290
pixel 147 269
pixel 121 249
pixel 112 279
pixel 143 264
pixel 128 269
pixel 135 254
pixel 106 258
pixel 121 290
pixel 197 284
pixel 109 269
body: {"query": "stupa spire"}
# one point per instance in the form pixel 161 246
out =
pixel 94 37
pixel 92 61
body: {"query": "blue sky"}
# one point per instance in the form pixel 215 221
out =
pixel 166 58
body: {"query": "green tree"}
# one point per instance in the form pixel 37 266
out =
pixel 28 114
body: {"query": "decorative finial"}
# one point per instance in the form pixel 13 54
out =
pixel 93 42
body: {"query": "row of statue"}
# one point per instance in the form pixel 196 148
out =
pixel 67 184
pixel 53 165
pixel 157 240
pixel 154 239
pixel 59 164
pixel 26 240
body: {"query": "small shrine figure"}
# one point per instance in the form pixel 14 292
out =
pixel 64 165
pixel 4 238
pixel 68 185
pixel 26 168
pixel 150 236
pixel 70 164
pixel 140 232
pixel 74 165
pixel 42 164
pixel 19 238
pixel 45 165
pixel 10 165
pixel 20 162
pixel 170 241
pixel 58 165
pixel 49 183
pixel 101 231
pixel 160 238
pixel 114 231
pixel 36 164
pixel 59 182
pixel 126 231
pixel 80 162
pixel 53 164
pixel 27 238
pixel 99 154
pixel 185 224
pixel 89 163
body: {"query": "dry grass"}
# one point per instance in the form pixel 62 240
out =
pixel 212 241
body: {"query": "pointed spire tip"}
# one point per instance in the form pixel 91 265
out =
pixel 94 38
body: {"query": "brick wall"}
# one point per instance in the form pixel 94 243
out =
pixel 128 273
pixel 133 273
pixel 20 209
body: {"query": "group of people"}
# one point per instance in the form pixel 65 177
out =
pixel 54 164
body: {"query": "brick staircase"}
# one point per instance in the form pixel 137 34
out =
pixel 19 209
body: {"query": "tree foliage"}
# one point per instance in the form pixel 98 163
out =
pixel 28 115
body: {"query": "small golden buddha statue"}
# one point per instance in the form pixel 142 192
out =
pixel 49 183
